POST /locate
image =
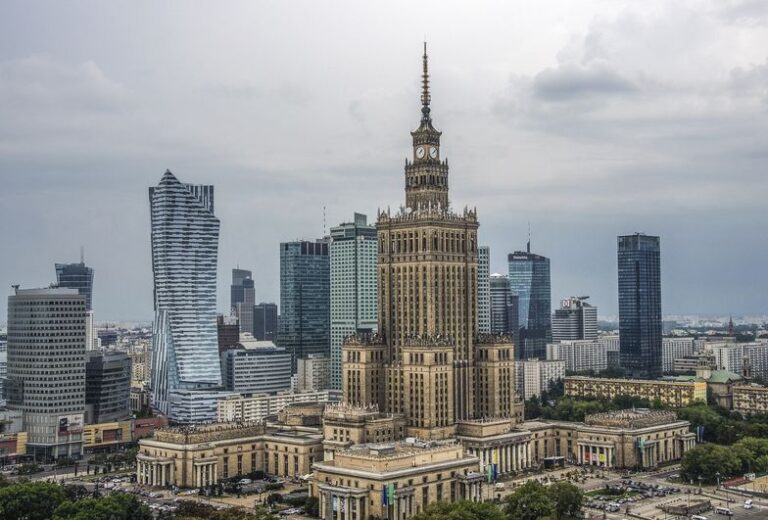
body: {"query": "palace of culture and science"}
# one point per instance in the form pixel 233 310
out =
pixel 428 363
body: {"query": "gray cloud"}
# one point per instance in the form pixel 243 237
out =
pixel 589 120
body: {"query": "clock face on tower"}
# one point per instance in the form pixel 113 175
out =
pixel 420 152
pixel 433 152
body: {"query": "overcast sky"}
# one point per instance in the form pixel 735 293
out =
pixel 589 119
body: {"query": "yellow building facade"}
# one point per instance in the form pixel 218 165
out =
pixel 669 393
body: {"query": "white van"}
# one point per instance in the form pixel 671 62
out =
pixel 723 511
pixel 698 517
pixel 748 504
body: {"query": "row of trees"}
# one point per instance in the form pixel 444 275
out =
pixel 707 461
pixel 47 501
pixel 531 501
pixel 571 409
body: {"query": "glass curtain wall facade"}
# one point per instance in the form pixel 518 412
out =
pixel 243 298
pixel 185 240
pixel 640 341
pixel 77 276
pixel 529 281
pixel 305 317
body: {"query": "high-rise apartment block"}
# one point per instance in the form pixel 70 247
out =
pixel 535 376
pixel 185 241
pixel 313 373
pixel 46 368
pixel 587 355
pixel 243 298
pixel 305 303
pixel 529 281
pixel 353 253
pixel 672 349
pixel 639 267
pixel 107 386
pixel 265 321
pixel 574 320
pixel 484 289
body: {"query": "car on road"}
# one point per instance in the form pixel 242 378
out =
pixel 747 504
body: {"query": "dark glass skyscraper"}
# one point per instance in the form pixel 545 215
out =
pixel 640 305
pixel 243 298
pixel 305 284
pixel 529 281
pixel 265 321
pixel 76 276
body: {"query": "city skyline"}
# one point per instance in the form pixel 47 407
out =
pixel 578 195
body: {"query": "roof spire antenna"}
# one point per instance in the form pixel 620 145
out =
pixel 323 221
pixel 529 237
pixel 425 97
pixel 82 254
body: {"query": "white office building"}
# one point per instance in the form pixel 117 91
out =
pixel 484 289
pixel 353 258
pixel 574 320
pixel 256 367
pixel 46 368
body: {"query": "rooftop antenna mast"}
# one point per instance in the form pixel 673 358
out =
pixel 82 254
pixel 529 237
pixel 323 221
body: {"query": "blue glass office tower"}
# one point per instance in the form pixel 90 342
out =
pixel 529 282
pixel 639 260
pixel 77 276
pixel 304 326
pixel 185 240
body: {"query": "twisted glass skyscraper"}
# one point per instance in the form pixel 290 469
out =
pixel 185 239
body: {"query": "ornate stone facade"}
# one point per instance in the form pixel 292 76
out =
pixel 427 359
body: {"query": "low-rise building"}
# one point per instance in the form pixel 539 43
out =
pixel 750 399
pixel 394 480
pixel 345 425
pixel 670 393
pixel 257 407
pixel 202 455
pixel 639 438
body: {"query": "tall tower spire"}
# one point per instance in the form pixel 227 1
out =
pixel 425 98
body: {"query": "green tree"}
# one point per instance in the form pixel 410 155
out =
pixel 189 510
pixel 529 502
pixel 312 507
pixel 566 498
pixel 707 460
pixel 117 506
pixel 30 500
pixel 462 510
